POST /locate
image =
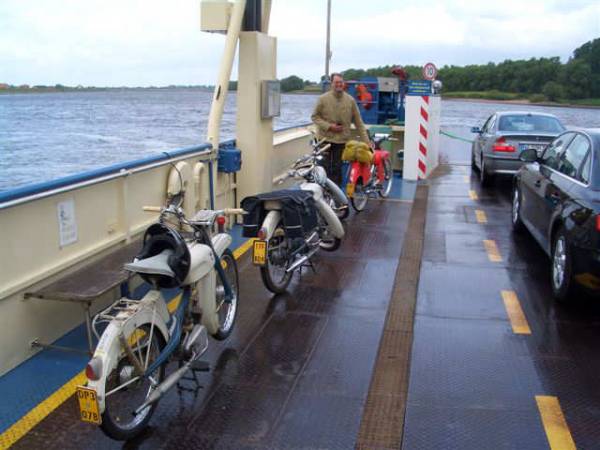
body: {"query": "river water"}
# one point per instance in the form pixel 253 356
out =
pixel 48 136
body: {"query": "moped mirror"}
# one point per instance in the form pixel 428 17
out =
pixel 528 155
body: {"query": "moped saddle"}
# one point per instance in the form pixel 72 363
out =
pixel 155 265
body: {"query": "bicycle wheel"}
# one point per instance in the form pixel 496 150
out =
pixel 125 391
pixel 273 273
pixel 388 179
pixel 359 198
pixel 227 312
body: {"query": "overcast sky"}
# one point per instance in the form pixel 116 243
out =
pixel 152 42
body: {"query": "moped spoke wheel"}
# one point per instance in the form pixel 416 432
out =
pixel 341 211
pixel 227 311
pixel 360 197
pixel 388 179
pixel 273 273
pixel 329 243
pixel 126 391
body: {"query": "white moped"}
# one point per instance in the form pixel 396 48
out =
pixel 126 375
pixel 279 255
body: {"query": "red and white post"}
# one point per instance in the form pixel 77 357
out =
pixel 421 136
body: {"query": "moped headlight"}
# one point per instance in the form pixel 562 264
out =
pixel 320 175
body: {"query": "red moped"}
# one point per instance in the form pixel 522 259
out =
pixel 365 180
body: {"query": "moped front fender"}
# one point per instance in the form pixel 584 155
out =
pixel 206 288
pixel 108 350
pixel 336 192
pixel 221 242
pixel 330 217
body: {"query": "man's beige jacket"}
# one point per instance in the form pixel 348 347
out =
pixel 333 108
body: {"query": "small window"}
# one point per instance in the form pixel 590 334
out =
pixel 574 155
pixel 551 156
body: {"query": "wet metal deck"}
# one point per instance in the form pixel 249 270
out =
pixel 495 362
pixel 296 371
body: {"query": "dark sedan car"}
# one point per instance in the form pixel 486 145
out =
pixel 556 196
pixel 505 135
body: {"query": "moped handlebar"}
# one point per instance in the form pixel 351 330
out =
pixel 281 178
pixel 233 211
pixel 322 149
pixel 152 208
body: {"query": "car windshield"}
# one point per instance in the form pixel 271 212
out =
pixel 530 122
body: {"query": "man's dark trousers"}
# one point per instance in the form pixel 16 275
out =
pixel 332 162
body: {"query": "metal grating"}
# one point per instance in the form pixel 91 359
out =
pixel 383 417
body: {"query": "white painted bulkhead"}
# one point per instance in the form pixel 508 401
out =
pixel 108 214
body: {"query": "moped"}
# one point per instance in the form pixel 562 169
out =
pixel 332 193
pixel 276 250
pixel 126 375
pixel 370 179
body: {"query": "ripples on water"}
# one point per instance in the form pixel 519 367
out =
pixel 47 136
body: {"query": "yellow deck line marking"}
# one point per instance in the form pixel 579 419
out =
pixel 473 195
pixel 515 313
pixel 243 248
pixel 481 217
pixel 492 250
pixel 22 426
pixel 557 430
pixel 38 413
pixel 173 304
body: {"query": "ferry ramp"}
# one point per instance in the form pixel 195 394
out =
pixel 432 327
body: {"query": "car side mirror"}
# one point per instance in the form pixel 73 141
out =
pixel 476 130
pixel 529 155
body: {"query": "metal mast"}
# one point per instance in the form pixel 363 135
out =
pixel 327 46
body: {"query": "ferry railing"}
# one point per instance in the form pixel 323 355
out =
pixel 36 191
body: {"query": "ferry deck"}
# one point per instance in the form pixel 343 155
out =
pixel 432 327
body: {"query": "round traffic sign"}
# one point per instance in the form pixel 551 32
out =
pixel 429 71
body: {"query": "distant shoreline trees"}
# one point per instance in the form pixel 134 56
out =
pixel 576 79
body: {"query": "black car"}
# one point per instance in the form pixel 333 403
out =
pixel 556 196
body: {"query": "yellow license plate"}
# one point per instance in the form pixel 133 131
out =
pixel 88 405
pixel 350 189
pixel 259 253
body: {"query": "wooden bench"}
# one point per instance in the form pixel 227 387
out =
pixel 88 284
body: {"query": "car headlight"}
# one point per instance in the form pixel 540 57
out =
pixel 319 175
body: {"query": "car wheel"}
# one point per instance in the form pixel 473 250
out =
pixel 517 223
pixel 484 176
pixel 562 282
pixel 473 163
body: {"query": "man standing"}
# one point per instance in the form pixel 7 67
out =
pixel 333 115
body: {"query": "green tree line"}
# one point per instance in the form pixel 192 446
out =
pixel 578 78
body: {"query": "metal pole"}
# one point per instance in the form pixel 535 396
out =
pixel 327 47
pixel 218 103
